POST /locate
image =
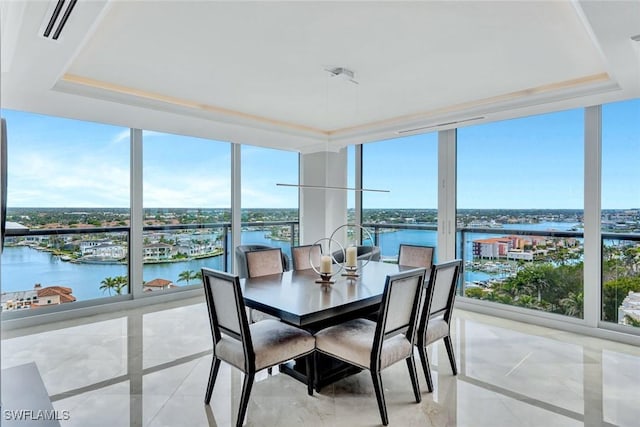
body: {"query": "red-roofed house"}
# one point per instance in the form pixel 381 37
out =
pixel 52 295
pixel 158 284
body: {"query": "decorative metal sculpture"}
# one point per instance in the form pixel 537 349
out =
pixel 327 261
pixel 350 258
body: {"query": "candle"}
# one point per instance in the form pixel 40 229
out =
pixel 325 264
pixel 352 256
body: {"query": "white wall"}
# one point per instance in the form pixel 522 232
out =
pixel 322 210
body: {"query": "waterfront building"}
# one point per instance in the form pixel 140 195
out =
pixel 36 240
pixel 86 246
pixel 53 295
pixel 629 311
pixel 520 247
pixel 37 297
pixel 158 252
pixel 18 300
pixel 520 255
pixel 492 248
pixel 105 251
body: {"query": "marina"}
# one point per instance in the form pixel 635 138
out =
pixel 23 267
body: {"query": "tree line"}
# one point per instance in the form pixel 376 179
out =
pixel 119 283
pixel 558 286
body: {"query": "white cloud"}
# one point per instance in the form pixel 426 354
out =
pixel 121 136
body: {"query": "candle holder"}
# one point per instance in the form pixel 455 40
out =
pixel 351 271
pixel 325 279
pixel 326 261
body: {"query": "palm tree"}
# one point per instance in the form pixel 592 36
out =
pixel 121 283
pixel 631 321
pixel 527 301
pixel 198 276
pixel 573 304
pixel 187 276
pixel 109 284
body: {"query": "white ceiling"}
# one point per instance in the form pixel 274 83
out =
pixel 254 72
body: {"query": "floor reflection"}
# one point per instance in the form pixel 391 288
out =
pixel 149 367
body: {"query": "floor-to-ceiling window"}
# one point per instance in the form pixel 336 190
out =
pixel 269 211
pixel 621 213
pixel 186 199
pixel 520 191
pixel 68 211
pixel 408 168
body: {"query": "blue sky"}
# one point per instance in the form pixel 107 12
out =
pixel 533 162
pixel 55 162
pixel 526 163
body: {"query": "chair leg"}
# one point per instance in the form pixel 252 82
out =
pixel 377 386
pixel 452 358
pixel 310 368
pixel 244 399
pixel 424 359
pixel 315 371
pixel 411 365
pixel 215 365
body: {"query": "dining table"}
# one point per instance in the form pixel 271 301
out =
pixel 296 298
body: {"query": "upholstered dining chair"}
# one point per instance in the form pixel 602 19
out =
pixel 249 348
pixel 378 345
pixel 364 253
pixel 303 256
pixel 241 258
pixel 415 256
pixel 263 262
pixel 435 318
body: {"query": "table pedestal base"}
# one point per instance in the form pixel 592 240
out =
pixel 328 370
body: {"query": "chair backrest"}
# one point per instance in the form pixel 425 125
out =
pixel 264 262
pixel 226 307
pixel 241 258
pixel 416 256
pixel 399 308
pixel 364 252
pixel 443 281
pixel 303 256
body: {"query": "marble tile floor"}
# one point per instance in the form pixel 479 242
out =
pixel 149 367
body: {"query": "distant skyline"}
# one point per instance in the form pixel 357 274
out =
pixel 527 163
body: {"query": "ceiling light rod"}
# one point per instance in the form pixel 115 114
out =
pixel 325 187
pixel 342 73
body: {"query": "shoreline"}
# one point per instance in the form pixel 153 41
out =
pixel 66 258
pixel 149 262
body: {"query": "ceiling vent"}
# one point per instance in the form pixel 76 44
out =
pixel 400 132
pixel 59 18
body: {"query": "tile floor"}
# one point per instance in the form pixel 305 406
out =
pixel 149 367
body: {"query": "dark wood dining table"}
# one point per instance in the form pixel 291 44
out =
pixel 296 298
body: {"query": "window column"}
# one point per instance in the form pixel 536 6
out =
pixel 447 174
pixel 236 201
pixel 137 216
pixel 592 213
pixel 322 210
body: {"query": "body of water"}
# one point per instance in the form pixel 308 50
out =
pixel 390 242
pixel 23 267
